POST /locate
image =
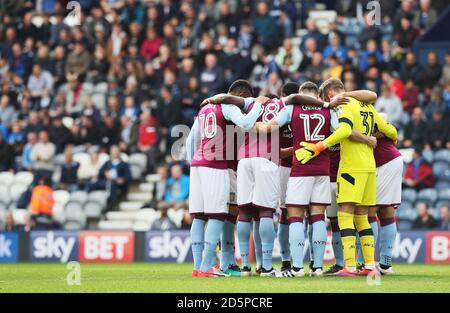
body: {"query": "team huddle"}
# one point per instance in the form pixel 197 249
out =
pixel 309 152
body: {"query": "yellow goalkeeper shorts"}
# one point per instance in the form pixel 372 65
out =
pixel 359 188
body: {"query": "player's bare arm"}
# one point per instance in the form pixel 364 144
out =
pixel 366 96
pixel 224 98
pixel 299 99
pixel 286 152
pixel 359 137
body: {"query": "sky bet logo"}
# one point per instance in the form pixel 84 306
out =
pixel 172 246
pixel 54 246
pixel 9 246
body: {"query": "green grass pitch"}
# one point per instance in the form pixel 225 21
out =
pixel 169 277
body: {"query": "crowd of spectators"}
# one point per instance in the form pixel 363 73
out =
pixel 133 69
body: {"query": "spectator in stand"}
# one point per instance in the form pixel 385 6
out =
pixel 370 31
pixel 163 223
pixel 75 92
pixel 432 70
pixel 231 60
pixel 406 34
pixel 168 113
pixel 150 45
pixel 424 220
pixel 289 58
pixel 435 103
pixel 425 16
pixel 410 98
pixel 314 71
pixel 312 32
pixel 26 163
pixel 69 180
pixel 370 51
pixel 418 174
pixel 41 204
pixel 446 69
pixel 212 77
pixel 265 27
pixel 437 131
pixel 7 111
pixel 6 155
pixel 191 100
pixel 144 137
pixel 411 70
pixel 59 134
pixel 177 189
pixel 335 48
pixel 405 10
pixel 42 155
pixel 39 82
pixel 88 171
pixel 114 176
pixel 444 223
pixel 389 103
pixel 78 60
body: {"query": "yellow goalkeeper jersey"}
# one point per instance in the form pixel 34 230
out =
pixel 357 156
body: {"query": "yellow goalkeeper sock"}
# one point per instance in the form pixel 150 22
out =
pixel 367 240
pixel 348 236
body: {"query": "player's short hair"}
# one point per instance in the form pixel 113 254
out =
pixel 309 87
pixel 241 87
pixel 332 84
pixel 289 88
pixel 271 96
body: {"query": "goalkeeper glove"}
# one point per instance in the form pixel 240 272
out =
pixel 309 151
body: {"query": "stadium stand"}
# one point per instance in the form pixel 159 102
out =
pixel 132 70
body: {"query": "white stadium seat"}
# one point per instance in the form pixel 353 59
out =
pixel 16 190
pixel 6 178
pixel 61 197
pixel 25 178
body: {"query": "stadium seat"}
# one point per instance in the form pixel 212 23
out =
pixel 16 190
pixel 404 225
pixel 3 209
pixel 153 178
pixel 130 205
pixel 428 156
pixel 72 225
pixel 115 225
pixel 141 226
pixel 407 154
pixel 74 212
pixel 4 191
pixel 176 216
pixel 98 196
pixel 58 213
pixel 442 155
pixel 441 170
pixel 444 195
pixel 59 159
pixel 67 122
pixel 442 185
pixel 428 195
pixel 136 171
pixel 79 149
pixel 145 215
pixel 61 197
pixel 435 213
pixel 440 203
pixel 121 216
pixel 20 216
pixel 139 159
pixel 93 209
pixel 78 196
pixel 403 213
pixel 405 205
pixel 409 195
pixel 6 178
pixel 81 157
pixel 25 178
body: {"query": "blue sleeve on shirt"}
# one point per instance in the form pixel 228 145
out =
pixel 234 114
pixel 334 123
pixel 284 116
pixel 247 102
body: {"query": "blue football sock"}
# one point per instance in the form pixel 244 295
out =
pixel 310 240
pixel 197 241
pixel 212 237
pixel 319 241
pixel 227 245
pixel 267 233
pixel 297 243
pixel 336 242
pixel 243 230
pixel 257 242
pixel 283 239
pixel 387 240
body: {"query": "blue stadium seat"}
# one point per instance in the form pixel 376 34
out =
pixel 442 155
pixel 405 205
pixel 404 225
pixel 428 156
pixel 435 213
pixel 440 203
pixel 444 195
pixel 428 195
pixel 441 170
pixel 442 185
pixel 409 195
